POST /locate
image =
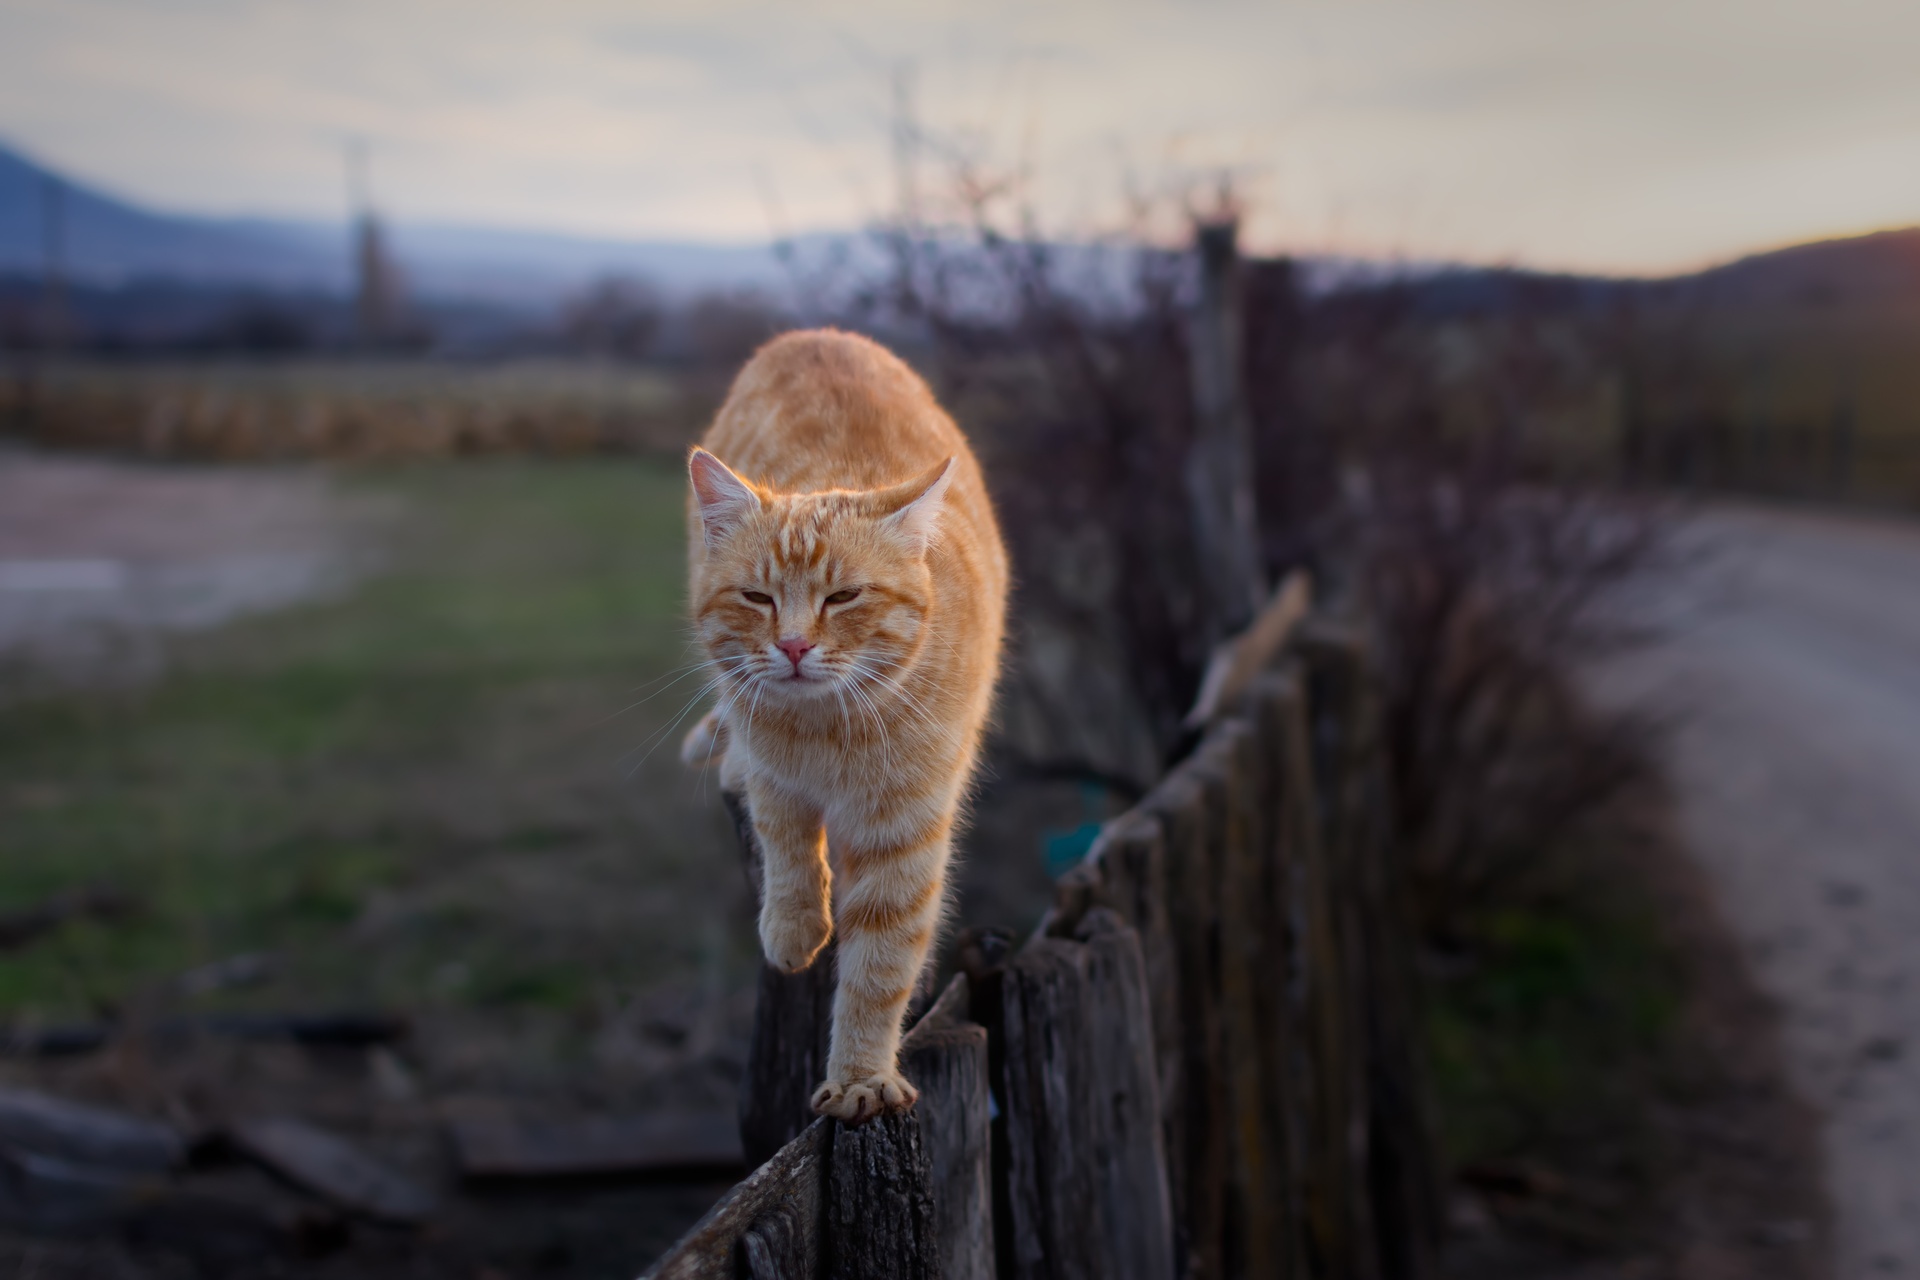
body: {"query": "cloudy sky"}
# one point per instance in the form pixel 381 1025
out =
pixel 1632 135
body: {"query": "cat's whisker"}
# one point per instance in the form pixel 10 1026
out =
pixel 695 669
pixel 880 726
pixel 653 743
pixel 720 715
pixel 914 706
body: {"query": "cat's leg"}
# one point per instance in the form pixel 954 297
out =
pixel 889 910
pixel 796 912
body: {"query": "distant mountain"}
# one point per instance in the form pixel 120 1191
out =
pixel 1878 268
pixel 109 241
pixel 106 240
pixel 1856 272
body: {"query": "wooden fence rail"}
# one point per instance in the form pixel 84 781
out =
pixel 1203 1062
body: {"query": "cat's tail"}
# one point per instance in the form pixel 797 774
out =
pixel 706 742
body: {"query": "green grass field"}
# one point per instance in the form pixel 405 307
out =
pixel 436 791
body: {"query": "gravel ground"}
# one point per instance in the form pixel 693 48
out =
pixel 1794 674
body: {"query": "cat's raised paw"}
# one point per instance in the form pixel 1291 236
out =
pixel 858 1101
pixel 792 942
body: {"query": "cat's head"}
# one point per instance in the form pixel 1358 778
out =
pixel 811 594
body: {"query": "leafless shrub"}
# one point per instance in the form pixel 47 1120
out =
pixel 720 329
pixel 1447 469
pixel 619 317
pixel 1069 365
pixel 1497 562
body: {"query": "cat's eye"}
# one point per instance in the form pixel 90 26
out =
pixel 843 597
pixel 758 597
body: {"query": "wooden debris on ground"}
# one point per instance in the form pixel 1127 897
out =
pixel 331 1030
pixel 333 1168
pixel 44 1193
pixel 41 1125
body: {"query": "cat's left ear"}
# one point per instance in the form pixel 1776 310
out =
pixel 725 499
pixel 912 510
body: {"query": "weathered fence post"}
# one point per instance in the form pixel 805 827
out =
pixel 1206 1060
pixel 1129 1155
pixel 1049 1186
pixel 1086 1188
pixel 880 1212
pixel 1219 471
pixel 1333 1143
pixel 1270 703
pixel 1196 1140
pixel 1256 1218
pixel 946 1058
pixel 1402 1154
pixel 1127 871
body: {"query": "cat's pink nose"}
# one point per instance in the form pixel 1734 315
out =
pixel 795 648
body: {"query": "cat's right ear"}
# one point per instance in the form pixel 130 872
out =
pixel 725 499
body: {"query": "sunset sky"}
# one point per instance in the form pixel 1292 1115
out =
pixel 1634 135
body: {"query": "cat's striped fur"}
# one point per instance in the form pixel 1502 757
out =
pixel 849 585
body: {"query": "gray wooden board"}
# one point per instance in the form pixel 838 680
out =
pixel 44 1193
pixel 332 1167
pixel 86 1135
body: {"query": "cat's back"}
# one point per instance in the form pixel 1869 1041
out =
pixel 821 409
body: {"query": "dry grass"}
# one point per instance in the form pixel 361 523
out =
pixel 352 410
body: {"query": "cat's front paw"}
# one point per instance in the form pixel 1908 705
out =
pixel 858 1101
pixel 792 941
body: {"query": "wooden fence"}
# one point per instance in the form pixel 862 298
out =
pixel 1204 1062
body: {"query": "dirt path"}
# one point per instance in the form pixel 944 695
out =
pixel 1795 671
pixel 99 558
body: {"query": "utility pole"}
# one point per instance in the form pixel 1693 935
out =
pixel 376 282
pixel 1219 468
pixel 53 300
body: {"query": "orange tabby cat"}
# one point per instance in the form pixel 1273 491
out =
pixel 848 583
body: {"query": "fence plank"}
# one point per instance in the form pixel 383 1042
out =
pixel 768 1228
pixel 1185 806
pixel 1136 1211
pixel 1270 700
pixel 1132 856
pixel 880 1212
pixel 1403 1172
pixel 1258 1222
pixel 1049 1178
pixel 1334 1202
pixel 946 1057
